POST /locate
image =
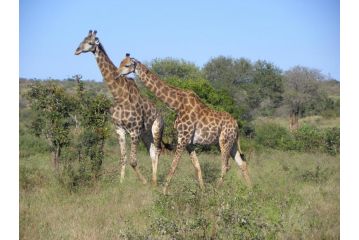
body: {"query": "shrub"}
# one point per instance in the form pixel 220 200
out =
pixel 52 108
pixel 308 138
pixel 31 178
pixel 75 125
pixel 274 136
pixel 231 212
pixel 332 140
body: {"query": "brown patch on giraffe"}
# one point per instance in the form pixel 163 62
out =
pixel 169 100
pixel 192 102
pixel 165 90
pixel 176 103
pixel 185 118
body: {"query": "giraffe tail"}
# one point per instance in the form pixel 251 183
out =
pixel 168 146
pixel 240 151
pixel 244 166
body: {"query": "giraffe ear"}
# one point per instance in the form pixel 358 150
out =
pixel 133 60
pixel 97 41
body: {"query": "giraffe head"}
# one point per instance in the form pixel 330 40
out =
pixel 128 65
pixel 89 43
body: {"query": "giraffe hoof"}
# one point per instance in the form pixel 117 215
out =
pixel 154 183
pixel 219 182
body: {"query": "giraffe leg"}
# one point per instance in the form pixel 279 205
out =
pixel 178 154
pixel 238 157
pixel 123 159
pixel 225 166
pixel 133 157
pixel 155 148
pixel 197 166
pixel 224 144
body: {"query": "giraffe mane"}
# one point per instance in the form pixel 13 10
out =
pixel 100 46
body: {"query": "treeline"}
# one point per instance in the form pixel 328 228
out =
pixel 250 89
pixel 245 89
pixel 259 88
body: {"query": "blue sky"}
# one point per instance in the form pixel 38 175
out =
pixel 283 32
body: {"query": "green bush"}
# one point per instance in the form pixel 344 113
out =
pixel 332 140
pixel 230 212
pixel 274 136
pixel 75 126
pixel 308 138
pixel 31 178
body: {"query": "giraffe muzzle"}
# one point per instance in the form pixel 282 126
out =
pixel 78 51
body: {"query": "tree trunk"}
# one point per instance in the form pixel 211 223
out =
pixel 294 120
pixel 56 157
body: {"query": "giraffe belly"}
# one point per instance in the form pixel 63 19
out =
pixel 205 137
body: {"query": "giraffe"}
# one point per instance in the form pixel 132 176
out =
pixel 131 113
pixel 196 123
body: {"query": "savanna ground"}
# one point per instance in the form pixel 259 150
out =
pixel 295 195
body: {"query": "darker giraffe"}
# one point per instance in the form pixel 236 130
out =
pixel 131 113
pixel 195 123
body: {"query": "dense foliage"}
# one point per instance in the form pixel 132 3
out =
pixel 307 138
pixel 75 126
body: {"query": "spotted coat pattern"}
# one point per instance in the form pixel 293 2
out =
pixel 131 112
pixel 196 123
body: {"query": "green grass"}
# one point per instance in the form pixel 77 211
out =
pixel 295 196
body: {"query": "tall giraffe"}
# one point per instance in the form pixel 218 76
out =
pixel 132 113
pixel 195 123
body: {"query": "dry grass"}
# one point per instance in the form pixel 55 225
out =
pixel 295 194
pixel 317 121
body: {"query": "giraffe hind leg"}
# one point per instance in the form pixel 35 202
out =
pixel 238 157
pixel 224 144
pixel 133 162
pixel 123 158
pixel 155 148
pixel 196 165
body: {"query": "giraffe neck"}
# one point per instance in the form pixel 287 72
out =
pixel 117 85
pixel 166 93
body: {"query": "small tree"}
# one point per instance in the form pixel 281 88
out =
pixel 93 114
pixel 75 125
pixel 258 87
pixel 52 107
pixel 301 90
pixel 169 67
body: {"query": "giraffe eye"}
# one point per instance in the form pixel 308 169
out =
pixel 127 65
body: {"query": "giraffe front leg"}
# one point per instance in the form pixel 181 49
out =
pixel 238 157
pixel 133 162
pixel 197 166
pixel 172 170
pixel 123 158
